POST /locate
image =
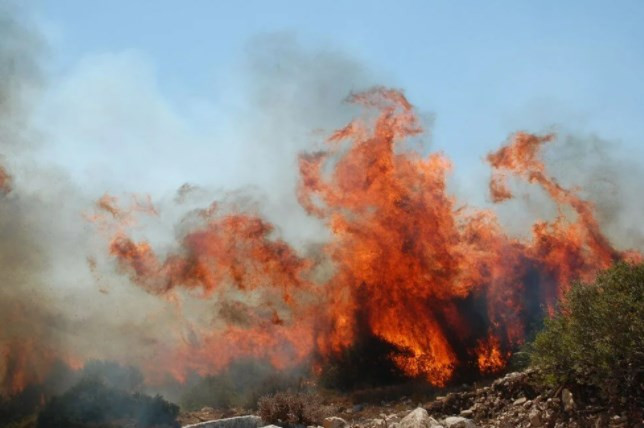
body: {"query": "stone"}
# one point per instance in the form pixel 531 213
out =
pixel 601 421
pixel 419 418
pixel 392 419
pixel 459 422
pixel 334 422
pixel 379 423
pixel 236 422
pixel 467 413
pixel 535 418
pixel 520 401
pixel 567 399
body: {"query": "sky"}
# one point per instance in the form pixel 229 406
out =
pixel 478 70
pixel 144 97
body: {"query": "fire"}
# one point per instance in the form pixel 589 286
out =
pixel 489 356
pixel 5 181
pixel 27 361
pixel 445 286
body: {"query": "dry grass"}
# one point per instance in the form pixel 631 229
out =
pixel 288 409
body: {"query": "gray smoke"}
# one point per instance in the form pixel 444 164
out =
pixel 60 290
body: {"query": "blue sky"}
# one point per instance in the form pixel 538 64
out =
pixel 483 69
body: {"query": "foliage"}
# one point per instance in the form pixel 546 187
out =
pixel 597 337
pixel 290 409
pixel 92 403
pixel 241 385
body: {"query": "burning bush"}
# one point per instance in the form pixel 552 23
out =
pixel 91 403
pixel 287 408
pixel 596 338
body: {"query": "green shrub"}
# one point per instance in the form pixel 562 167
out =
pixel 596 339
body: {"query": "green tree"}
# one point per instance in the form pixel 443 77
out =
pixel 596 338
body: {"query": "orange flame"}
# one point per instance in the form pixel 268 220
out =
pixel 489 356
pixel 446 287
pixel 5 181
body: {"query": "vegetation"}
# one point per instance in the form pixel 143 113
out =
pixel 290 409
pixel 91 403
pixel 596 339
pixel 240 385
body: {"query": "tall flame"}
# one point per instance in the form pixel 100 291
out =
pixel 445 286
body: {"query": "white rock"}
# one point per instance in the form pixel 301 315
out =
pixel 334 422
pixel 378 423
pixel 236 422
pixel 392 419
pixel 459 422
pixel 520 401
pixel 467 413
pixel 419 418
pixel 568 401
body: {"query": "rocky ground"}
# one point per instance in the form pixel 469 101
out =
pixel 511 401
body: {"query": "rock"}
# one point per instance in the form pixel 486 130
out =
pixel 520 401
pixel 535 418
pixel 379 423
pixel 334 422
pixel 236 422
pixel 601 421
pixel 358 408
pixel 271 426
pixel 567 399
pixel 392 419
pixel 419 418
pixel 459 422
pixel 467 413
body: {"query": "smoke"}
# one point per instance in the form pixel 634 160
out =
pixel 63 297
pixel 51 307
pixel 608 174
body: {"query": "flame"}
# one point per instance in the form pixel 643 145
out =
pixel 5 181
pixel 444 285
pixel 27 361
pixel 489 356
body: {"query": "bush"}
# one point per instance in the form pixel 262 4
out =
pixel 241 385
pixel 286 408
pixel 596 339
pixel 91 403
